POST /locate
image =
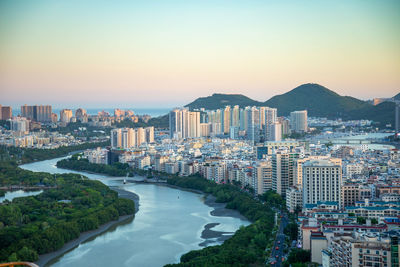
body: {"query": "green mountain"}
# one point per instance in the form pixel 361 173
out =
pixel 317 100
pixel 382 113
pixel 217 101
pixel 397 97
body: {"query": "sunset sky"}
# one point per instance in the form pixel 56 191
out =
pixel 167 53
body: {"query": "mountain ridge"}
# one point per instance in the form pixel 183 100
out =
pixel 318 100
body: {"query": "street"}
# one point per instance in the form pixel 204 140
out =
pixel 278 247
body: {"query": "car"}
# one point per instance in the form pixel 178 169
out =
pixel 272 263
pixel 283 259
pixel 277 248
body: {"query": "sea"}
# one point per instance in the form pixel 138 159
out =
pixel 153 112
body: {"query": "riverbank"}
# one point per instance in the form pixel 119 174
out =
pixel 44 259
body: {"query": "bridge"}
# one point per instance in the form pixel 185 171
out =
pixel 345 141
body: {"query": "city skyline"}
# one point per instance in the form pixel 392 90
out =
pixel 152 53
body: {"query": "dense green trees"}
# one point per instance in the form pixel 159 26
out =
pixel 247 245
pixel 116 169
pixel 298 256
pixel 26 155
pixel 43 223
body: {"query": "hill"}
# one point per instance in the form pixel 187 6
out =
pixel 397 97
pixel 382 113
pixel 217 101
pixel 317 100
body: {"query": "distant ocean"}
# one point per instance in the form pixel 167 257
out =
pixel 153 112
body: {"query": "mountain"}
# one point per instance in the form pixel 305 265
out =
pixel 217 101
pixel 397 97
pixel 382 113
pixel 317 100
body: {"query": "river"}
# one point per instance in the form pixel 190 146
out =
pixel 10 195
pixel 168 224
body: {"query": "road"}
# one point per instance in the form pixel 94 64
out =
pixel 277 254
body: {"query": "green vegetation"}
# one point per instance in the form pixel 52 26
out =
pixel 79 129
pixel 291 230
pixel 26 155
pixel 317 100
pixel 382 113
pixel 116 169
pixel 157 122
pixel 217 101
pixel 248 244
pixel 299 257
pixel 34 225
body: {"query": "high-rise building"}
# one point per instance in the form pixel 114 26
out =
pixel 193 124
pixel 283 171
pixel 322 180
pixel 268 116
pixel 285 123
pixel 360 249
pixel 116 135
pixel 243 118
pixel 19 124
pixel 205 129
pixel 253 124
pixel 54 117
pixel 65 115
pixel 274 131
pixel 125 138
pixel 140 136
pixel 40 113
pixel 226 119
pixel 184 124
pixel 149 134
pixel 301 161
pixel 298 121
pixel 81 115
pixel 235 121
pixel 294 198
pixel 262 177
pixel 6 113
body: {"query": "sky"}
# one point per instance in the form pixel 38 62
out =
pixel 167 53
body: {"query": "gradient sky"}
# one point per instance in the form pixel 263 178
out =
pixel 167 53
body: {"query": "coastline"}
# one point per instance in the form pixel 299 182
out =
pixel 45 259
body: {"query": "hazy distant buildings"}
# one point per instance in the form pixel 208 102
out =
pixel 65 115
pixel 268 116
pixel 285 123
pixel 6 113
pixel 253 124
pixel 81 115
pixel 39 113
pixel 274 131
pixel 19 124
pixel 298 121
pixel 226 119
